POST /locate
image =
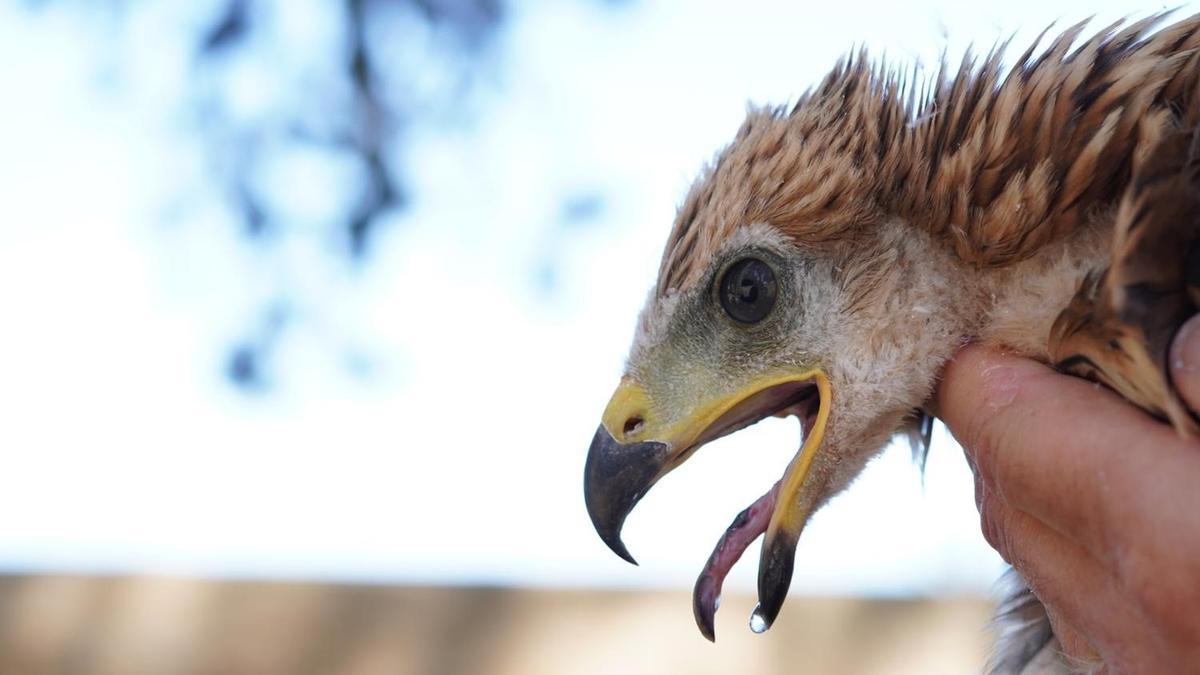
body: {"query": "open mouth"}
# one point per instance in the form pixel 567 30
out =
pixel 639 442
pixel 799 399
pixel 782 400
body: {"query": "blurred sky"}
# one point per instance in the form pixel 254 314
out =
pixel 431 409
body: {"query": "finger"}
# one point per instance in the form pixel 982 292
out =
pixel 1087 464
pixel 1074 645
pixel 1078 592
pixel 1185 362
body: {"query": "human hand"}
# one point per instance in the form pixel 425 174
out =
pixel 1093 501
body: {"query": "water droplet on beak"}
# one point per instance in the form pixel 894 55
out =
pixel 758 623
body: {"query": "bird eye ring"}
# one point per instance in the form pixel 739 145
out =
pixel 747 290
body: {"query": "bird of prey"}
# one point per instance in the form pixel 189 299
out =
pixel 831 259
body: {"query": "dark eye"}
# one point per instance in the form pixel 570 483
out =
pixel 748 290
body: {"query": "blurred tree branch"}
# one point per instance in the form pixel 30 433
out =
pixel 374 106
pixel 350 101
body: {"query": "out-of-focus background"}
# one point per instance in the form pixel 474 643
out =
pixel 309 308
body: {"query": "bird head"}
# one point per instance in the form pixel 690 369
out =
pixel 786 288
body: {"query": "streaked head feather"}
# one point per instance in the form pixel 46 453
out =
pixel 995 163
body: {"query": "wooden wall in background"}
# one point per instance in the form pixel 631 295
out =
pixel 167 626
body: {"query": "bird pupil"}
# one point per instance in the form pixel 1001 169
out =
pixel 747 290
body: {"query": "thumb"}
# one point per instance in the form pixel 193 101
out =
pixel 1185 362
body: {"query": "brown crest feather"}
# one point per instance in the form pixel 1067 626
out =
pixel 996 163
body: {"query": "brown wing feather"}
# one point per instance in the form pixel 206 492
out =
pixel 1118 327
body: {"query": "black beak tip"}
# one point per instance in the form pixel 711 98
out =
pixel 606 526
pixel 615 477
pixel 774 577
pixel 614 542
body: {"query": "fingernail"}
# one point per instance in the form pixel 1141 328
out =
pixel 1000 384
pixel 1001 381
pixel 1185 348
pixel 1185 362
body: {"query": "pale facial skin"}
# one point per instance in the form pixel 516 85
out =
pixel 1094 502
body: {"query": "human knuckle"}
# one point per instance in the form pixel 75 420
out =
pixel 987 523
pixel 1005 537
pixel 986 437
pixel 1165 591
pixel 1147 585
pixel 1142 583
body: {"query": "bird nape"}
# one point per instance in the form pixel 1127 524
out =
pixel 833 257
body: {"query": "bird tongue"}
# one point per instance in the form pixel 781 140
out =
pixel 746 527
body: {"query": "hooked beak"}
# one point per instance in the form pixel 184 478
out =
pixel 615 477
pixel 638 443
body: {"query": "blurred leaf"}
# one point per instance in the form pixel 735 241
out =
pixel 229 30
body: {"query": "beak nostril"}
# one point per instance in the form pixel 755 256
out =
pixel 633 425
